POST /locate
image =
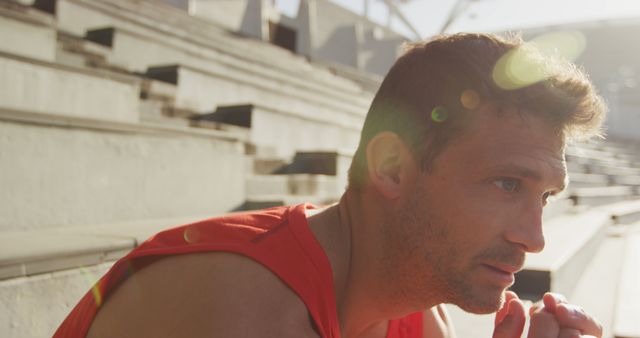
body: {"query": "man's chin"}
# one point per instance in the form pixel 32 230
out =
pixel 482 304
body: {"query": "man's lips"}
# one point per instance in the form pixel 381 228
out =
pixel 501 273
pixel 503 267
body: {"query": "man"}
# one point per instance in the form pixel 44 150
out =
pixel 461 148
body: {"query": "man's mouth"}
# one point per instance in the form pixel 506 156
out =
pixel 503 267
pixel 501 273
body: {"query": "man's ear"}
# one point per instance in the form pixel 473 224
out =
pixel 389 164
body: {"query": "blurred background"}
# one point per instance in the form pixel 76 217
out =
pixel 120 118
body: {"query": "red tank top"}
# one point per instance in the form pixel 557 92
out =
pixel 278 238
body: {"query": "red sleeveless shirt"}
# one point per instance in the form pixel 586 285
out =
pixel 278 238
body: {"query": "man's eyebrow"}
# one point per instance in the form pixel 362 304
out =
pixel 522 171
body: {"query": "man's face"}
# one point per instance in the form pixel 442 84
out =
pixel 463 230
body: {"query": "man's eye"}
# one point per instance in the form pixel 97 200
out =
pixel 507 184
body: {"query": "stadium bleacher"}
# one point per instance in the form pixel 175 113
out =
pixel 122 118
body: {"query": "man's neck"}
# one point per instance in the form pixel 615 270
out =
pixel 360 312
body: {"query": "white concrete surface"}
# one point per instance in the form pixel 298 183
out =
pixel 299 128
pixel 565 260
pixel 293 184
pixel 137 52
pixel 28 38
pixel 191 39
pixel 596 290
pixel 54 176
pixel 243 16
pixel 37 252
pixel 48 88
pixel 35 306
pixel 627 310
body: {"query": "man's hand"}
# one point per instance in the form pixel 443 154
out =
pixel 574 322
pixel 553 318
pixel 510 318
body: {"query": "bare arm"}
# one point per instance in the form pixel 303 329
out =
pixel 203 295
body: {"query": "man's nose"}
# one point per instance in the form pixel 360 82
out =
pixel 527 230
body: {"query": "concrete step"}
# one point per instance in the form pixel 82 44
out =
pixel 294 184
pixel 43 274
pixel 612 170
pixel 81 171
pixel 577 168
pixel 36 86
pixel 332 163
pixel 582 180
pixel 571 242
pixel 595 291
pixel 267 166
pixel 164 27
pixel 78 52
pixel 34 306
pixel 623 150
pixel 130 51
pixel 625 212
pixel 203 90
pixel 151 89
pixel 627 310
pixel 602 195
pixel 557 208
pixel 268 201
pixel 27 32
pixel 26 253
pixel 155 111
pixel 603 161
pixel 625 179
pixel 309 132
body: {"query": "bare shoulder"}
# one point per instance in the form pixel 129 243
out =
pixel 437 323
pixel 206 294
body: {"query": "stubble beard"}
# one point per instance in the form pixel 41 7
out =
pixel 424 263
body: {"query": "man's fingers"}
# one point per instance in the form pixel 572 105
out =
pixel 508 296
pixel 512 324
pixel 575 317
pixel 543 325
pixel 569 333
pixel 573 333
pixel 552 300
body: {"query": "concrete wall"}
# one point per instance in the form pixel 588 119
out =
pixel 335 38
pixel 56 176
pixel 44 87
pixel 277 129
pixel 203 91
pixel 21 36
pixel 243 16
pixel 198 40
pixel 226 13
pixel 340 36
pixel 35 306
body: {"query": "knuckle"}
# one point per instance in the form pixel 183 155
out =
pixel 541 316
pixel 599 327
pixel 569 333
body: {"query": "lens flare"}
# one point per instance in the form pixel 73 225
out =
pixel 439 114
pixel 538 59
pixel 566 45
pixel 95 288
pixel 470 99
pixel 519 68
pixel 191 235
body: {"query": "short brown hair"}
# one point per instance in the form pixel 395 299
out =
pixel 430 89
